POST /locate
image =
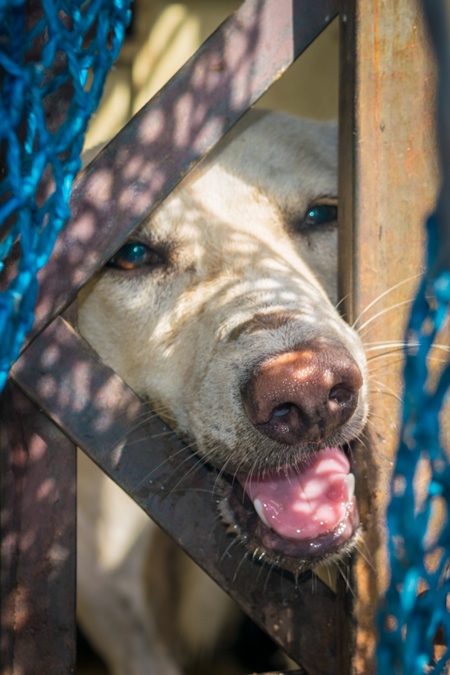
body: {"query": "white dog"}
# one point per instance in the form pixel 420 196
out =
pixel 220 313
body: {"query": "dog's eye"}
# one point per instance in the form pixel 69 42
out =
pixel 320 214
pixel 134 255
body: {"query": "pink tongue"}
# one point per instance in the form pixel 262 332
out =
pixel 307 502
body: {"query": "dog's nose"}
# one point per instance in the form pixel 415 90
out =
pixel 303 396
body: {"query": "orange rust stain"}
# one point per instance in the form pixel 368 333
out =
pixel 411 158
pixel 21 611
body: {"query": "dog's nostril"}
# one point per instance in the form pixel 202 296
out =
pixel 282 410
pixel 341 393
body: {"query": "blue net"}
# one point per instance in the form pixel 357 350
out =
pixel 416 604
pixel 54 57
pixel 414 621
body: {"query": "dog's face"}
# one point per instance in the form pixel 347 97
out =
pixel 219 311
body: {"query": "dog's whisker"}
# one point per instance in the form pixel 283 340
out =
pixel 392 362
pixel 386 390
pixel 271 566
pixel 396 347
pixel 163 412
pixel 244 557
pixel 367 557
pixel 375 416
pixel 343 299
pixel 200 461
pixel 228 549
pixel 380 357
pixel 402 343
pixel 328 569
pixel 161 434
pixel 383 312
pixel 378 346
pixel 144 418
pixel 363 440
pixel 224 467
pixel 345 575
pixel 381 296
pixel 168 459
pixel 382 457
pixel 382 366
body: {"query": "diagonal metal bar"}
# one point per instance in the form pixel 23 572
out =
pixel 168 137
pixel 99 413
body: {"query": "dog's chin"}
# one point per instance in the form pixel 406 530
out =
pixel 317 521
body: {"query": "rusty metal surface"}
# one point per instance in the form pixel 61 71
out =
pixel 105 418
pixel 147 159
pixel 37 541
pixel 387 187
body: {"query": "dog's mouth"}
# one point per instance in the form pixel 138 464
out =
pixel 296 517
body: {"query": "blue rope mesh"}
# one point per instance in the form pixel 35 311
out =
pixel 80 42
pixel 416 608
pixel 416 601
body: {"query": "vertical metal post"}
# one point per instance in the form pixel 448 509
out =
pixel 38 466
pixel 387 186
pixel 37 489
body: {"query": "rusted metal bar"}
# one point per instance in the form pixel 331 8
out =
pixel 37 561
pixel 167 138
pixel 387 185
pixel 104 417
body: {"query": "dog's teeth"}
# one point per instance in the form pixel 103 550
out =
pixel 350 479
pixel 260 511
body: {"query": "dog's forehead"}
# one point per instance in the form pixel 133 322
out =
pixel 265 172
pixel 288 160
pixel 267 147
